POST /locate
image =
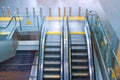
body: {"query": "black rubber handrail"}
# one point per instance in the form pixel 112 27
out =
pixel 40 52
pixel 69 49
pixel 2 27
pixel 90 53
pixel 62 50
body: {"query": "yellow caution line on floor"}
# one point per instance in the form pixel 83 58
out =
pixel 77 18
pixel 77 32
pixel 69 18
pixel 53 32
pixel 9 18
pixel 53 18
pixel 4 33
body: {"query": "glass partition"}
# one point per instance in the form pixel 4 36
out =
pixel 6 27
pixel 107 45
pixel 8 38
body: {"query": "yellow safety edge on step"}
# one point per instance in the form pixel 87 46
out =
pixel 9 18
pixel 4 33
pixel 53 32
pixel 77 32
pixel 69 18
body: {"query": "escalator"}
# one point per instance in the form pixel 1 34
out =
pixel 52 54
pixel 79 57
pixel 80 67
pixel 52 57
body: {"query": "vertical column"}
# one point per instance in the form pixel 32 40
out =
pixel 8 11
pixel 79 11
pixel 50 12
pixel 27 12
pixel 70 11
pixel 59 11
pixel 17 11
pixel 41 13
pixel 86 14
pixel 64 11
pixel 3 11
pixel 33 11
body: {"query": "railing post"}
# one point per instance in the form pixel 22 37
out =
pixel 70 11
pixel 41 13
pixel 33 11
pixel 8 11
pixel 64 11
pixel 27 12
pixel 3 11
pixel 86 14
pixel 59 11
pixel 50 12
pixel 79 11
pixel 17 11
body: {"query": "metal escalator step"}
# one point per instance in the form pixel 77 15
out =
pixel 79 67
pixel 83 75
pixel 52 44
pixel 52 56
pixel 77 35
pixel 80 43
pixel 80 76
pixel 78 39
pixel 52 49
pixel 51 69
pixel 51 76
pixel 79 61
pixel 82 70
pixel 79 54
pixel 79 47
pixel 51 65
pixel 53 41
pixel 53 37
pixel 52 59
pixel 52 62
pixel 52 53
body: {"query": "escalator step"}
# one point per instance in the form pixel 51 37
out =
pixel 53 72
pixel 79 54
pixel 79 67
pixel 79 61
pixel 52 44
pixel 78 76
pixel 52 56
pixel 48 77
pixel 52 49
pixel 53 40
pixel 51 69
pixel 79 48
pixel 76 43
pixel 52 62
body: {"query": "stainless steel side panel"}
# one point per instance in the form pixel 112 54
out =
pixel 8 47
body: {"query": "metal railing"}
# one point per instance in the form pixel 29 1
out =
pixel 107 58
pixel 69 49
pixel 62 50
pixel 90 52
pixel 30 22
pixel 12 19
pixel 41 52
